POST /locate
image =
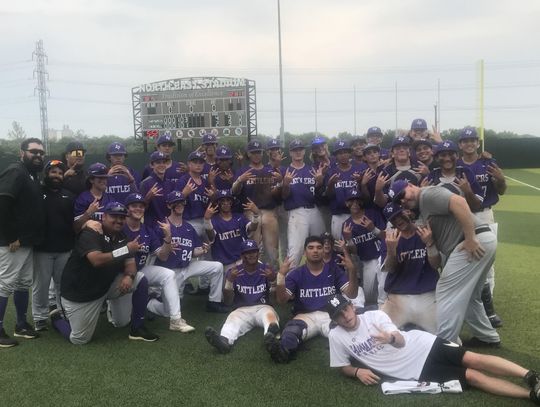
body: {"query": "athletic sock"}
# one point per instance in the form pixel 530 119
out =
pixel 20 298
pixel 3 306
pixel 62 326
pixel 139 299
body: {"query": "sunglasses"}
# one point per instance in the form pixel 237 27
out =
pixel 77 153
pixel 35 151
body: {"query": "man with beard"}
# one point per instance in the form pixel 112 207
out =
pixel 74 176
pixel 52 254
pixel 20 230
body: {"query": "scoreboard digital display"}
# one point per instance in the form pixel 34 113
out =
pixel 190 107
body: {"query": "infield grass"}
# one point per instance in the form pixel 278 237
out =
pixel 182 369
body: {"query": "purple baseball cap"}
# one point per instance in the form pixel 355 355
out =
pixel 116 148
pixel 391 210
pixel 468 133
pixel 98 170
pixel 224 153
pixel 134 197
pixel 447 145
pixel 397 190
pixel 196 156
pixel 352 193
pixel 209 138
pixel 317 141
pixel 115 208
pixel 175 196
pixel 158 155
pixel 296 144
pixel 374 131
pixel 400 141
pixel 254 145
pixel 418 124
pixel 273 143
pixel 223 194
pixel 341 145
pixel 248 246
pixel 165 139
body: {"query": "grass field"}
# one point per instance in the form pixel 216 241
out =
pixel 182 369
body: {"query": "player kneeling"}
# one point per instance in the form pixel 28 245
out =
pixel 247 289
pixel 375 342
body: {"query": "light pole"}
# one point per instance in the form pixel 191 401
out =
pixel 282 125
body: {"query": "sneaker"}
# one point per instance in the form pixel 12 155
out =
pixel 535 393
pixel 219 307
pixel 41 325
pixel 474 342
pixel 496 321
pixel 181 325
pixel 25 331
pixel 216 340
pixel 531 379
pixel 6 341
pixel 272 345
pixel 142 334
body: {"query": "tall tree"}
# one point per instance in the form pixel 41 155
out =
pixel 17 132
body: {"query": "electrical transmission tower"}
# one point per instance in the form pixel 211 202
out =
pixel 42 76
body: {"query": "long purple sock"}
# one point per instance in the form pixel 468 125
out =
pixel 20 298
pixel 139 300
pixel 3 306
pixel 63 327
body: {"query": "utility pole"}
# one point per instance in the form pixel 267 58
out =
pixel 42 76
pixel 354 106
pixel 282 125
pixel 316 129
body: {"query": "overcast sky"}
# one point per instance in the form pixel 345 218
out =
pixel 99 49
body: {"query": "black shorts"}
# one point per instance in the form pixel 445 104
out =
pixel 444 363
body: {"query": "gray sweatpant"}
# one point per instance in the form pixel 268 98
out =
pixel 458 293
pixel 16 270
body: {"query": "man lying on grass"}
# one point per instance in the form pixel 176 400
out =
pixel 374 341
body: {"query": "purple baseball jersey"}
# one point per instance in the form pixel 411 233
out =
pixel 229 236
pixel 197 201
pixel 250 288
pixel 148 239
pixel 157 208
pixel 302 189
pixel 84 200
pixel 436 177
pixel 258 189
pixel 480 170
pixel 311 293
pixel 368 246
pixel 413 274
pixel 184 240
pixel 118 186
pixel 344 182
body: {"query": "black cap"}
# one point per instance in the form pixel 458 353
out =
pixel 73 146
pixel 336 304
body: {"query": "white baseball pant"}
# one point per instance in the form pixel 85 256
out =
pixel 303 222
pixel 213 270
pixel 244 319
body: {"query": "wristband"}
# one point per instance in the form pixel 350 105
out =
pixel 228 285
pixel 208 225
pixel 356 372
pixel 120 252
pixel 280 279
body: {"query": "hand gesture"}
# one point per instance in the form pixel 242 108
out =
pixel 231 276
pixel 250 206
pixel 182 168
pixel 209 192
pixel 246 176
pixel 425 182
pixel 392 238
pixel 226 175
pixel 210 211
pixel 381 336
pixel 93 207
pixel 474 249
pixel 134 245
pixel 347 231
pixel 357 176
pixel 269 274
pixel 382 180
pixel 189 188
pixel 367 377
pixel 333 179
pixel 368 176
pixel 463 184
pixel 367 223
pixel 435 135
pixel 285 266
pixel 345 260
pixel 152 192
pixel 421 169
pixel 495 171
pixel 165 228
pixel 486 155
pixel 212 174
pixel 425 234
pixel 277 175
pixel 289 175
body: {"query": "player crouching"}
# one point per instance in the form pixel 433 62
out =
pixel 247 289
pixel 372 340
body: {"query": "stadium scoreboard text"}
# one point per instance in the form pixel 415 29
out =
pixel 190 107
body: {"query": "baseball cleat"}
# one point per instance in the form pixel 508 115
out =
pixel 41 325
pixel 216 340
pixel 25 331
pixel 180 325
pixel 531 379
pixel 272 345
pixel 6 341
pixel 142 334
pixel 474 342
pixel 535 393
pixel 496 321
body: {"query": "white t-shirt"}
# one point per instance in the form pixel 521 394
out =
pixel 401 363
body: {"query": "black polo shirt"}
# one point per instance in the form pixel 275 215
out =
pixel 20 212
pixel 82 282
pixel 76 183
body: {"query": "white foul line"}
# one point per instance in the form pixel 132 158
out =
pixel 520 182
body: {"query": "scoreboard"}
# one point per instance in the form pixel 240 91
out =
pixel 190 107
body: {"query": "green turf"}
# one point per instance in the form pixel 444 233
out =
pixel 182 369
